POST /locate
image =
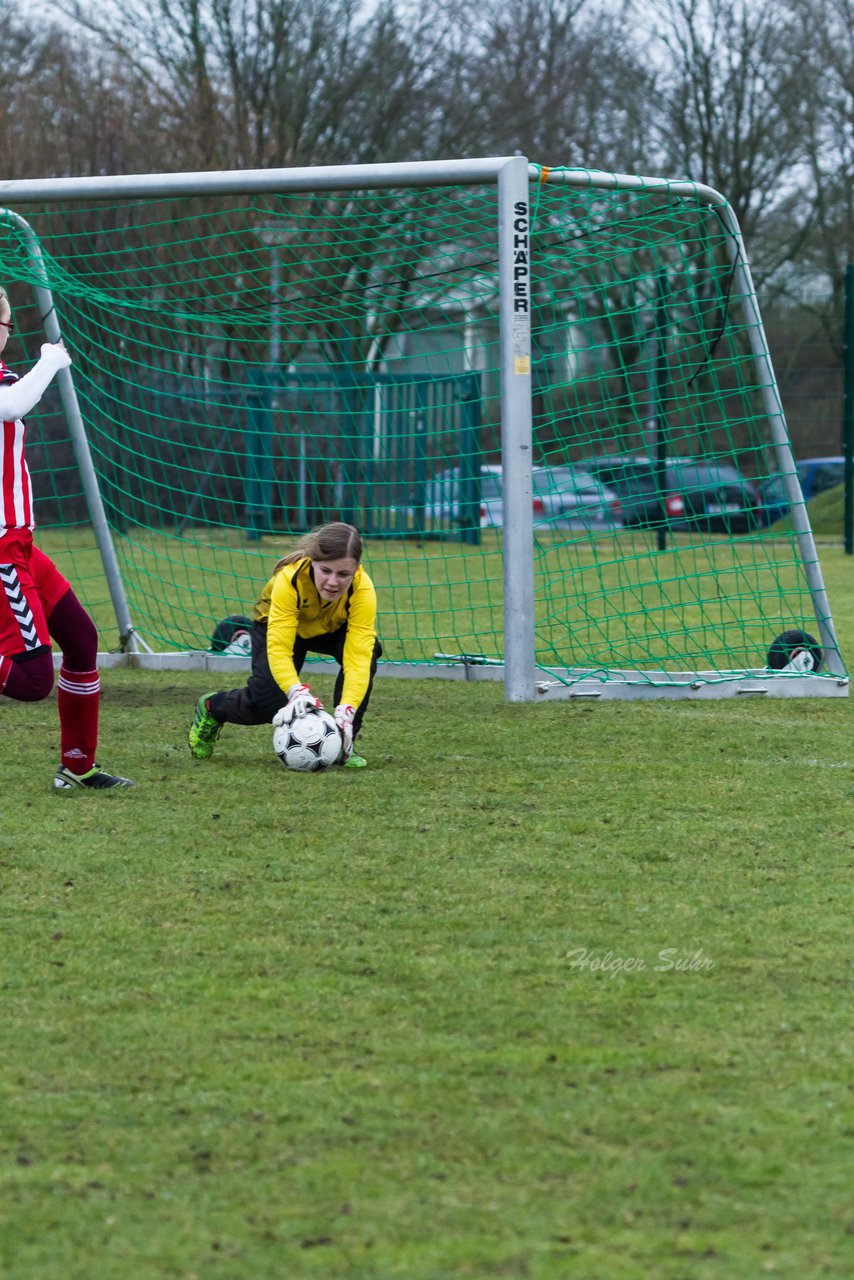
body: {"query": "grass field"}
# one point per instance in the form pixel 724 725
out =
pixel 552 991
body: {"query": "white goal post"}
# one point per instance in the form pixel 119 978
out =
pixel 525 677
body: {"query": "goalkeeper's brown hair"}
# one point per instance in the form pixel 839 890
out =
pixel 335 541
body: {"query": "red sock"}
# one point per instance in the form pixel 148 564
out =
pixel 78 695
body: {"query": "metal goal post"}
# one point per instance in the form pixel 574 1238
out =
pixel 523 678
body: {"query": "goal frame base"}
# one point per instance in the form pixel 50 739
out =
pixel 552 684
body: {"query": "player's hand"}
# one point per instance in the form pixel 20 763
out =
pixel 300 700
pixel 56 355
pixel 344 719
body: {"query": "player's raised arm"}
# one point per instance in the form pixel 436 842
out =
pixel 19 395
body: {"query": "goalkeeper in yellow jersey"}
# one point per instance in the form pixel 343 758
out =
pixel 319 600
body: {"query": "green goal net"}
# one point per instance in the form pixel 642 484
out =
pixel 249 366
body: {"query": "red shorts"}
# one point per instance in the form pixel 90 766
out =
pixel 31 586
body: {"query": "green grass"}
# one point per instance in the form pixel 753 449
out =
pixel 415 1021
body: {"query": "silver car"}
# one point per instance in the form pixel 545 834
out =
pixel 563 498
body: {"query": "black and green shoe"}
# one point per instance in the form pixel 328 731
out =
pixel 204 730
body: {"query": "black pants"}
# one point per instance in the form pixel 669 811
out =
pixel 260 698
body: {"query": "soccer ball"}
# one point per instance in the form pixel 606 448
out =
pixel 795 651
pixel 308 743
pixel 233 636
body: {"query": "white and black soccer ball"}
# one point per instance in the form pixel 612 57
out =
pixel 308 743
pixel 795 652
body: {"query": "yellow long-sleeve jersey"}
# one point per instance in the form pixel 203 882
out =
pixel 291 605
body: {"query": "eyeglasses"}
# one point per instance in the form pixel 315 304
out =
pixel 8 324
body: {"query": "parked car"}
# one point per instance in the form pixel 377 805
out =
pixel 698 493
pixel 573 494
pixel 563 498
pixel 635 483
pixel 815 474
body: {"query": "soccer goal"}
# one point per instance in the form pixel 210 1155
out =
pixel 544 395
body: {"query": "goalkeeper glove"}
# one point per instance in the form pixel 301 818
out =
pixel 344 719
pixel 300 700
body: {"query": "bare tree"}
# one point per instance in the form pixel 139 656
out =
pixel 246 83
pixel 554 79
pixel 729 94
pixel 75 109
pixel 825 41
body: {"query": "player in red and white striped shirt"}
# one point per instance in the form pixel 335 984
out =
pixel 36 601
